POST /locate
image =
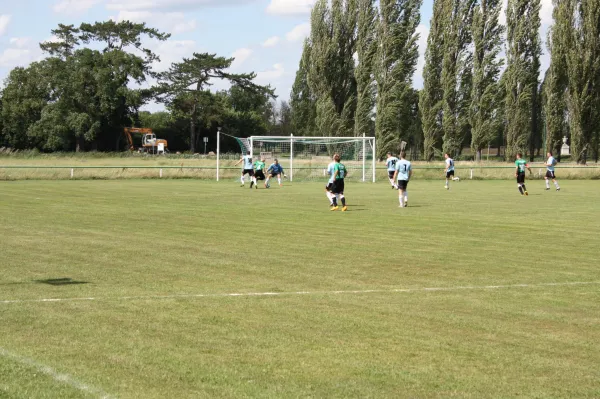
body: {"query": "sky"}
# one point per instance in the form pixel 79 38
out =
pixel 264 36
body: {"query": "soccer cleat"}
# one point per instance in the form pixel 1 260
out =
pixel 344 209
pixel 406 204
pixel 447 188
pixel 547 188
pixel 526 193
pixel 558 189
pixel 335 208
pixel 256 186
pixel 251 184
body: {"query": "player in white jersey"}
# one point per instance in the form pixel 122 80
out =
pixel 390 162
pixel 550 164
pixel 402 175
pixel 449 171
pixel 248 169
pixel 331 173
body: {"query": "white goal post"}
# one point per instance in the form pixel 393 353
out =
pixel 306 158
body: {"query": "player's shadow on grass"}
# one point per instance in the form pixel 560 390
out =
pixel 60 281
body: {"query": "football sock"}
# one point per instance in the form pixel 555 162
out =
pixel 524 189
pixel 343 200
pixel 334 199
pixel 267 181
pixel 548 183
pixel 392 182
pixel 520 189
pixel 329 197
pixel 279 180
pixel 401 198
pixel 405 195
pixel 242 179
pixel 447 181
pixel 556 184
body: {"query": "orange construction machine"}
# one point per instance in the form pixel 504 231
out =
pixel 149 141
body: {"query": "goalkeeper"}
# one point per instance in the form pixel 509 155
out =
pixel 275 169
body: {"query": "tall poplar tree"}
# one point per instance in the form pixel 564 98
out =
pixel 580 30
pixel 366 49
pixel 430 99
pixel 485 98
pixel 555 82
pixel 302 101
pixel 397 59
pixel 457 74
pixel 523 51
pixel 331 76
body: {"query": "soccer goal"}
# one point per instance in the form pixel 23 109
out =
pixel 306 158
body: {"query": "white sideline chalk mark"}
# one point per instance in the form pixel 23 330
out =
pixel 60 377
pixel 290 293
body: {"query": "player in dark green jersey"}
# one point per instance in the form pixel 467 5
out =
pixel 337 189
pixel 521 165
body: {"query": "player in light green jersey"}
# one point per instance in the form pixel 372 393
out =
pixel 259 171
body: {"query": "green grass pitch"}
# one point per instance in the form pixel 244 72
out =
pixel 144 268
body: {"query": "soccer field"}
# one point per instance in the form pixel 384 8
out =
pixel 184 288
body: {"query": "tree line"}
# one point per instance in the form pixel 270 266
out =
pixel 88 88
pixel 481 84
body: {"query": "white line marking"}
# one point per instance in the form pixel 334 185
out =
pixel 60 377
pixel 258 294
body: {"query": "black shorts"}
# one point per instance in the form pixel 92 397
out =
pixel 274 174
pixel 402 184
pixel 329 186
pixel 260 175
pixel 450 173
pixel 248 171
pixel 521 177
pixel 391 174
pixel 550 175
pixel 338 187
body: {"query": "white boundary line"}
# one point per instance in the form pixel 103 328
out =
pixel 290 293
pixel 59 377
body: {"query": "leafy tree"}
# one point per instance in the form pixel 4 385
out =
pixel 430 102
pixel 577 32
pixel 24 97
pixel 302 101
pixel 366 50
pixel 331 75
pixel 522 71
pixel 485 116
pixel 457 74
pixel 185 85
pixel 396 63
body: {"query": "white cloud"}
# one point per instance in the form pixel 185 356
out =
pixel 73 7
pixel 4 21
pixel 19 42
pixel 290 7
pixel 298 33
pixel 546 12
pixel 136 5
pixel 271 42
pixel 270 75
pixel 171 51
pixel 12 57
pixel 171 22
pixel 240 55
pixel 423 32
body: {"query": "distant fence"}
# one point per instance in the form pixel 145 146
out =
pixel 35 172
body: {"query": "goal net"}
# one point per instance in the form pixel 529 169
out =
pixel 306 158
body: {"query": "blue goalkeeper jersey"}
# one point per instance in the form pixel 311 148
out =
pixel 275 169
